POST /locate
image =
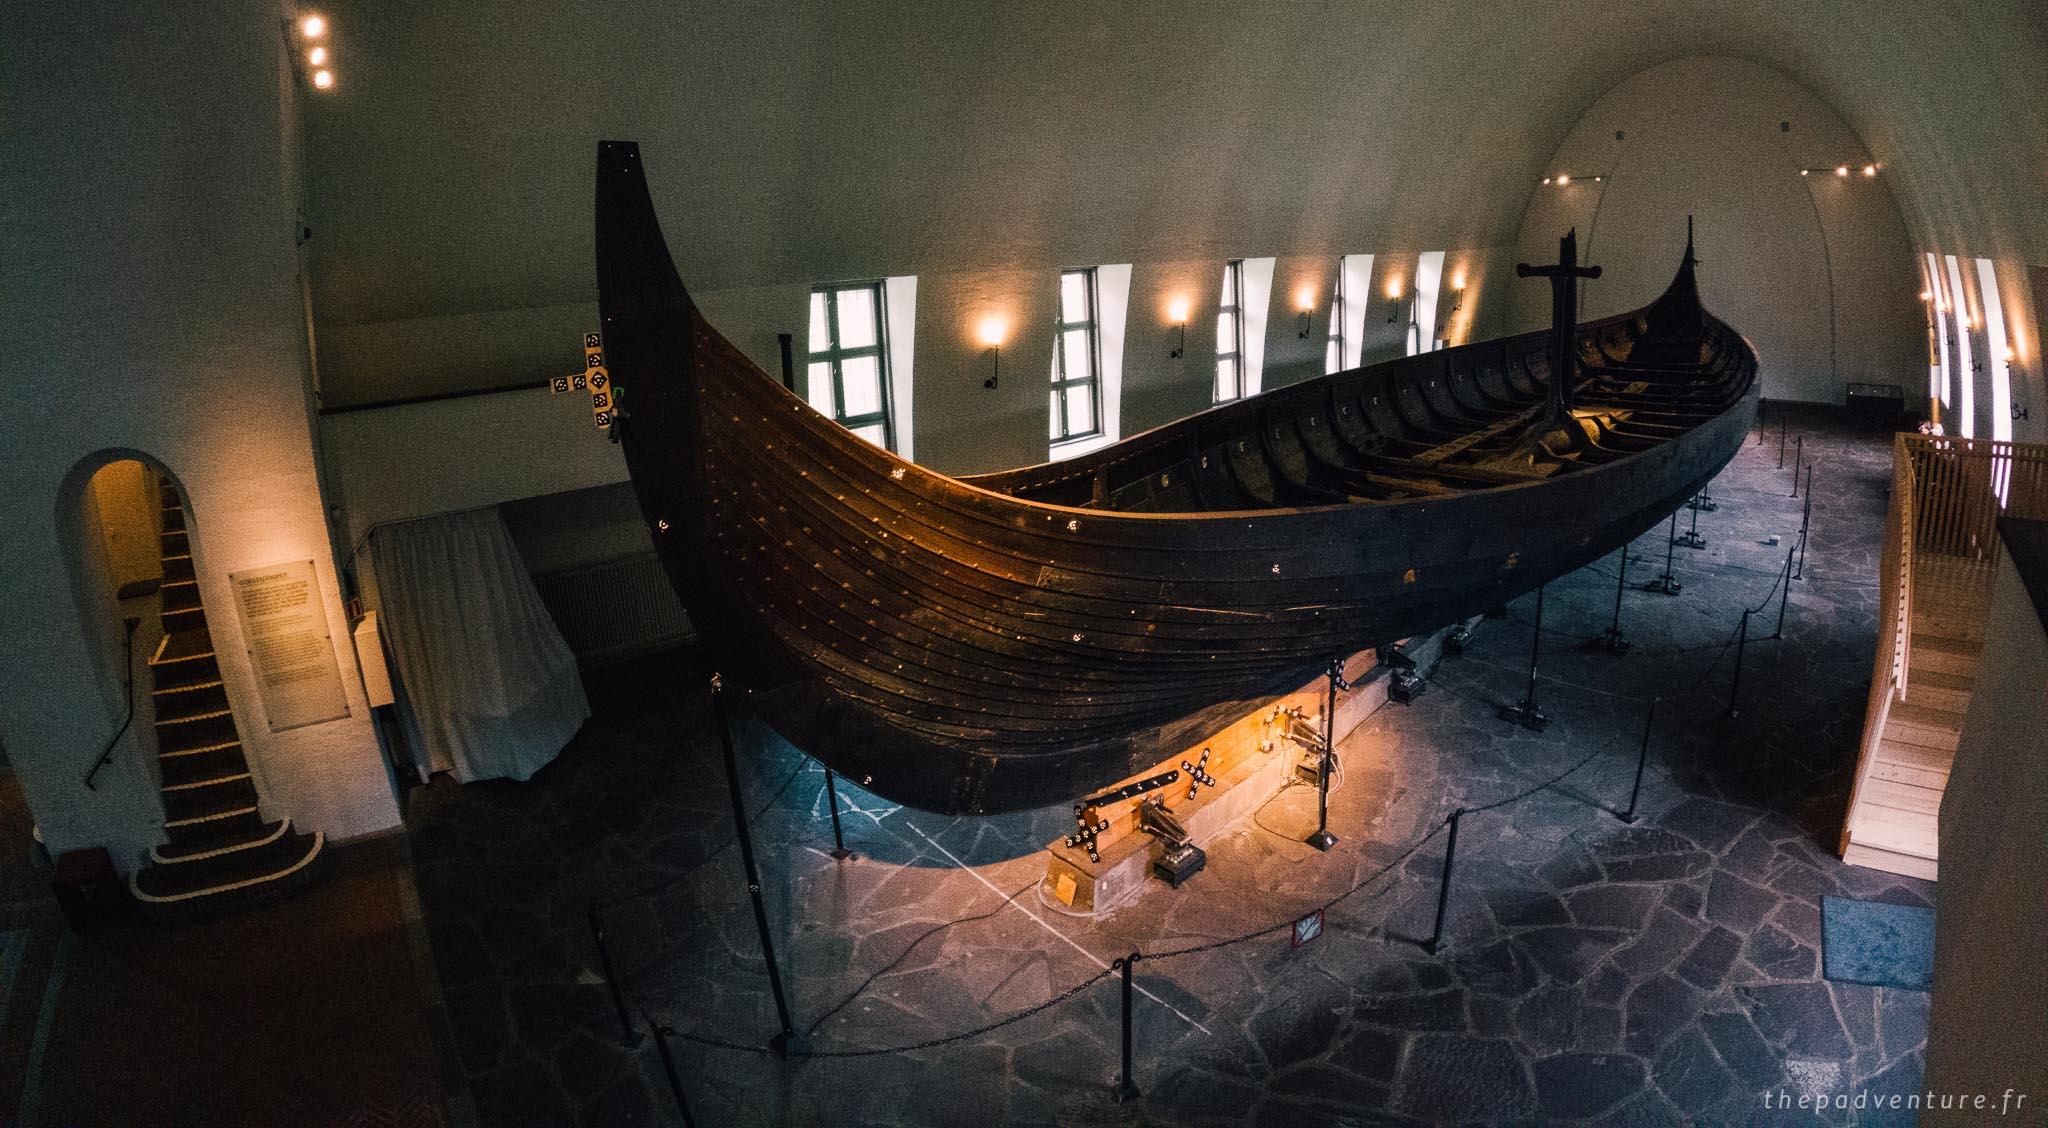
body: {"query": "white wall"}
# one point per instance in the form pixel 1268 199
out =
pixel 151 305
pixel 1702 137
pixel 1988 1029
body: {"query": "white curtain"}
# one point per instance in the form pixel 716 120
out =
pixel 488 689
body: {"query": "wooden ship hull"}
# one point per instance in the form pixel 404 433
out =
pixel 1014 640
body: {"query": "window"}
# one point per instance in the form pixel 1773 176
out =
pixel 1230 334
pixel 1333 349
pixel 2000 346
pixel 847 356
pixel 1429 284
pixel 1077 359
pixel 1965 365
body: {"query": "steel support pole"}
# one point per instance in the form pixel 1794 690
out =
pixel 1642 760
pixel 675 1082
pixel 1322 839
pixel 788 1043
pixel 629 1037
pixel 839 849
pixel 1667 584
pixel 1443 893
pixel 1735 686
pixel 1127 1089
pixel 1527 714
pixel 1692 538
pixel 1610 640
pixel 1785 595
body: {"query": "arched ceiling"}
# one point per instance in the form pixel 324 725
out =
pixel 450 170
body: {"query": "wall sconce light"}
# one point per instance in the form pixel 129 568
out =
pixel 1304 301
pixel 1393 299
pixel 1458 293
pixel 1177 313
pixel 993 329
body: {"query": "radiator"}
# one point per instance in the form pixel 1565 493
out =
pixel 616 610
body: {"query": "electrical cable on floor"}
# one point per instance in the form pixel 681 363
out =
pixel 901 956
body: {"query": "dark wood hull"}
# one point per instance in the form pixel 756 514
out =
pixel 1016 640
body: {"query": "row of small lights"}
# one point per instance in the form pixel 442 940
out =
pixel 313 29
pixel 1563 179
pixel 994 328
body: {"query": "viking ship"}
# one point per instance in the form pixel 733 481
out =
pixel 1013 640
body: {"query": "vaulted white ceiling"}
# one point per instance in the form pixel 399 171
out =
pixel 450 171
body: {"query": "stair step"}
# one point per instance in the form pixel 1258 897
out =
pixel 1913 833
pixel 199 750
pixel 269 865
pixel 1919 693
pixel 202 817
pixel 1872 857
pixel 1895 772
pixel 1928 728
pixel 1915 756
pixel 178 567
pixel 173 540
pixel 184 687
pixel 174 519
pixel 211 799
pixel 210 781
pixel 205 711
pixel 1900 796
pixel 236 825
pixel 189 645
pixel 238 838
pixel 181 770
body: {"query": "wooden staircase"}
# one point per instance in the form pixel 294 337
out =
pixel 220 851
pixel 1939 561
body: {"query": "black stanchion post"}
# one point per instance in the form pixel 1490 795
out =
pixel 1692 538
pixel 1526 714
pixel 1322 839
pixel 1443 893
pixel 1610 640
pixel 675 1082
pixel 1735 686
pixel 1763 429
pixel 1798 460
pixel 1781 438
pixel 1127 1089
pixel 1784 582
pixel 1805 528
pixel 788 1043
pixel 839 849
pixel 628 1036
pixel 1667 584
pixel 1642 759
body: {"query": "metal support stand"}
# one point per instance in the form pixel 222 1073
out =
pixel 1735 686
pixel 1126 1089
pixel 1610 639
pixel 1443 893
pixel 1784 595
pixel 1692 537
pixel 1798 460
pixel 788 1043
pixel 1667 584
pixel 629 1037
pixel 675 1083
pixel 839 849
pixel 1642 759
pixel 1322 839
pixel 1703 501
pixel 1526 713
pixel 1805 525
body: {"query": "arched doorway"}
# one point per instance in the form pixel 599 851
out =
pixel 134 548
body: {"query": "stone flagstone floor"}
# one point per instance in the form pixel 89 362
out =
pixel 1664 972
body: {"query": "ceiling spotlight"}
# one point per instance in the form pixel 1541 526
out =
pixel 313 27
pixel 1870 170
pixel 317 56
pixel 1841 170
pixel 1564 178
pixel 1546 180
pixel 323 79
pixel 1806 172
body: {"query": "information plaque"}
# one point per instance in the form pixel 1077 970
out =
pixel 291 650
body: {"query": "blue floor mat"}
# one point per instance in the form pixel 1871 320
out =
pixel 1877 944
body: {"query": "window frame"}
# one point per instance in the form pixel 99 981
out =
pixel 1233 282
pixel 1333 344
pixel 835 355
pixel 1064 382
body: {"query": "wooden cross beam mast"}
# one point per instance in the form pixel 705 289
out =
pixel 1564 315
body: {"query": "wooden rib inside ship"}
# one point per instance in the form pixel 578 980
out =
pixel 1015 640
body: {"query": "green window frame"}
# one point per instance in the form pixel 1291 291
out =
pixel 849 347
pixel 1076 404
pixel 1230 334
